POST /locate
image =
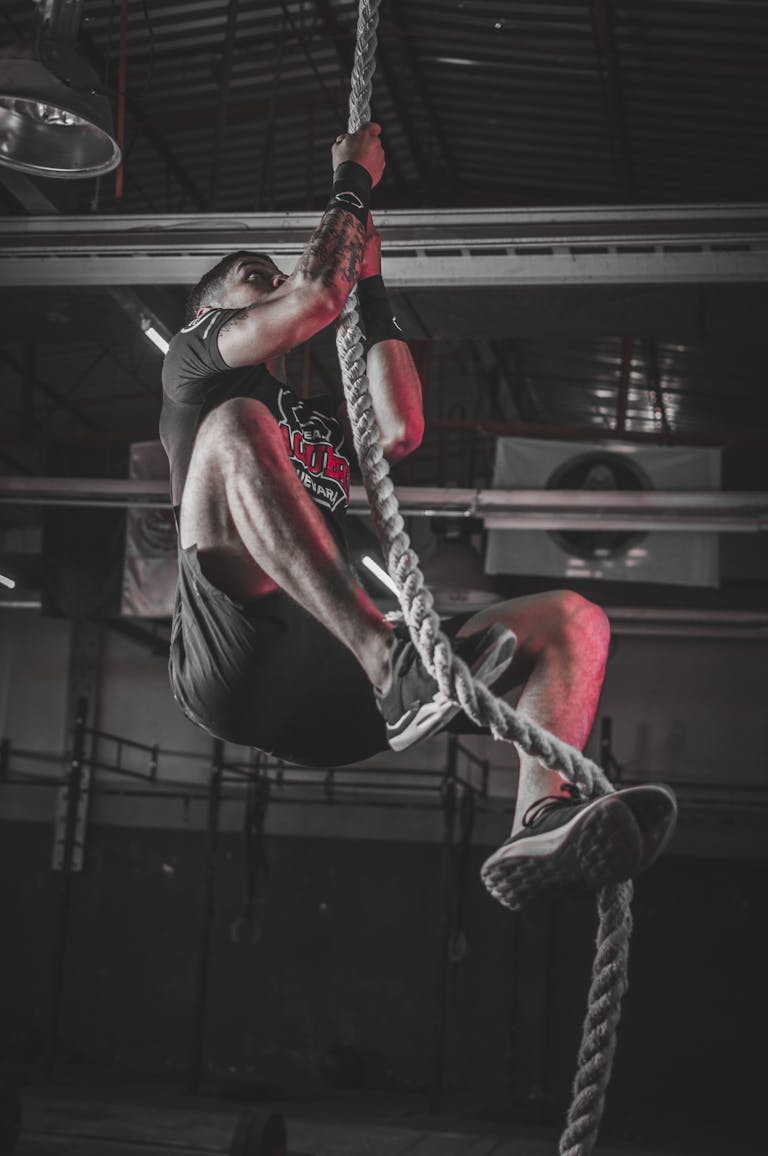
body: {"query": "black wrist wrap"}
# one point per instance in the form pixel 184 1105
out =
pixel 351 190
pixel 378 319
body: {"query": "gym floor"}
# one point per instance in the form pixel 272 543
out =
pixel 142 1121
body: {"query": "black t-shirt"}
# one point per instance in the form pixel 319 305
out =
pixel 196 380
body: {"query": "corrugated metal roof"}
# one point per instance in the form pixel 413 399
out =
pixel 527 103
pixel 481 103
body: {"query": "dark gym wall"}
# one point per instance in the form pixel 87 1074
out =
pixel 676 707
pixel 345 952
pixel 348 953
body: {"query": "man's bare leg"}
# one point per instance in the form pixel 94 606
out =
pixel 257 530
pixel 562 649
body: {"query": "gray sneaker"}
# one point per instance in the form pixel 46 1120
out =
pixel 569 839
pixel 413 708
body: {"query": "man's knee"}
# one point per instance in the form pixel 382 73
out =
pixel 578 623
pixel 240 418
pixel 235 429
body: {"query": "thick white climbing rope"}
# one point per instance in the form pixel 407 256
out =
pixel 609 973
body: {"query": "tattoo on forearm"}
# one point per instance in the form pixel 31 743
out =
pixel 335 249
pixel 333 254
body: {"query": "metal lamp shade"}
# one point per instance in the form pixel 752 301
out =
pixel 54 123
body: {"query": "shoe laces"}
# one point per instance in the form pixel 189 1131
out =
pixel 569 794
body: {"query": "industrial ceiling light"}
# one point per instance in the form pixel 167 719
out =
pixel 55 120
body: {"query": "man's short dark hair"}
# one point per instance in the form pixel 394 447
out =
pixel 204 293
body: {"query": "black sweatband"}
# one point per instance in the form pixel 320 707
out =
pixel 351 190
pixel 378 319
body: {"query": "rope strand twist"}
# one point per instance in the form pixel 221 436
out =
pixel 609 973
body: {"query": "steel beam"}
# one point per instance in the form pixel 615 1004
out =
pixel 223 99
pixel 427 248
pixel 715 510
pixel 37 204
pixel 396 12
pixel 622 401
pixel 603 34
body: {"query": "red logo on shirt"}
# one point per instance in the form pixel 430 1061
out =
pixel 309 437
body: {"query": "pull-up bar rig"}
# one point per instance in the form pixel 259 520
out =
pixel 228 780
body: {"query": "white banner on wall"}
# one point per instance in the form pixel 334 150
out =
pixel 149 568
pixel 680 558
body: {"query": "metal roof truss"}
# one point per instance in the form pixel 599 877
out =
pixel 421 248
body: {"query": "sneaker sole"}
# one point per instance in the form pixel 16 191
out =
pixel 435 714
pixel 602 844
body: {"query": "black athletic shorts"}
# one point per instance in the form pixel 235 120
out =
pixel 266 674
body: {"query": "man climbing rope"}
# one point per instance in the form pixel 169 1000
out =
pixel 275 644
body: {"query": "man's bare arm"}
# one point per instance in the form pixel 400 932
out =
pixel 393 381
pixel 395 389
pixel 334 253
pixel 309 300
pixel 315 292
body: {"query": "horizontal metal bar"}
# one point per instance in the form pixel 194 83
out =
pixel 690 630
pixel 754 629
pixel 421 248
pixel 681 614
pixel 408 271
pixel 116 492
pixel 681 511
pixel 540 223
pixel 130 744
pixel 596 433
pixel 690 795
pixel 682 622
pixel 713 510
